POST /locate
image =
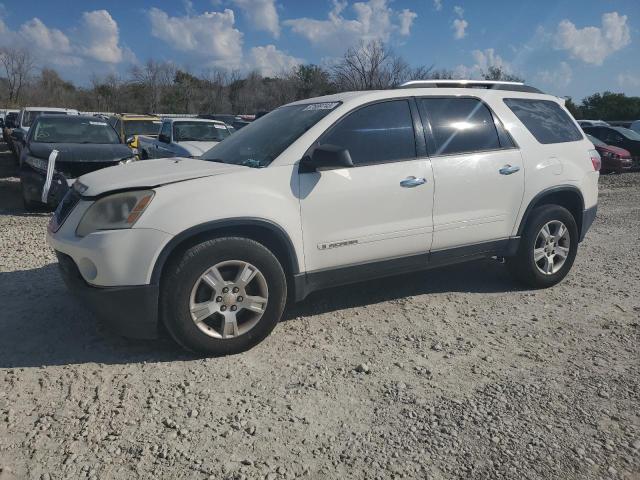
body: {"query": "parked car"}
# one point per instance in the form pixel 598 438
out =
pixel 592 123
pixel 9 125
pixel 326 192
pixel 84 144
pixel 619 137
pixel 183 137
pixel 26 117
pixel 614 159
pixel 129 126
pixel 635 126
pixel 232 120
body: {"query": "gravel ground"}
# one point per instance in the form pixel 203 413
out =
pixel 453 373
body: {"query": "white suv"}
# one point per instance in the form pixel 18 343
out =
pixel 329 191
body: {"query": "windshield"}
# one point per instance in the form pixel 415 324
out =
pixel 70 129
pixel 199 132
pixel 141 127
pixel 630 134
pixel 595 141
pixel 260 142
pixel 29 116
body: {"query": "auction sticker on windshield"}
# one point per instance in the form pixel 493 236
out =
pixel 321 106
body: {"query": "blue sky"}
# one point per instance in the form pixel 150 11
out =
pixel 570 47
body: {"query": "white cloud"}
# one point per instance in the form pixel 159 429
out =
pixel 98 37
pixel 594 44
pixel 270 61
pixel 373 20
pixel 406 18
pixel 459 11
pixel 628 80
pixel 262 14
pixel 559 77
pixel 437 5
pixel 210 36
pixel 484 59
pixel 459 28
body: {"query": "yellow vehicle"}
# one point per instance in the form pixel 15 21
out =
pixel 130 125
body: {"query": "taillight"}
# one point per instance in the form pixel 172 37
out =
pixel 595 160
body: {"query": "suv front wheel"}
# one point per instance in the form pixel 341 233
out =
pixel 223 296
pixel 547 248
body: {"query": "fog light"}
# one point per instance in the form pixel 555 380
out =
pixel 88 269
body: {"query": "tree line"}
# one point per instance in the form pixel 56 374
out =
pixel 163 87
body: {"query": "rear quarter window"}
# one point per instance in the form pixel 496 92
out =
pixel 545 119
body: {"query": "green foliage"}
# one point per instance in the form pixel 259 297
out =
pixel 609 106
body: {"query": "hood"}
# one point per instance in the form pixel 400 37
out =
pixel 151 173
pixel 617 150
pixel 81 152
pixel 196 148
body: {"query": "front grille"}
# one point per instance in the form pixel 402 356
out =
pixel 77 169
pixel 65 207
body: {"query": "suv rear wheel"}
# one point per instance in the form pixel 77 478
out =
pixel 547 248
pixel 223 296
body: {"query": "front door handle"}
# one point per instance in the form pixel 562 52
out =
pixel 411 182
pixel 508 169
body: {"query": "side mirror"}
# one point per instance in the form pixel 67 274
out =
pixel 163 138
pixel 326 157
pixel 130 140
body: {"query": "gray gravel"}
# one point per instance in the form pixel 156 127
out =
pixel 444 374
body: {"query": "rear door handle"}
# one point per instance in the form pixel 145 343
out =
pixel 508 169
pixel 411 182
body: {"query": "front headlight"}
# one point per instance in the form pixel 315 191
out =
pixel 115 212
pixel 125 161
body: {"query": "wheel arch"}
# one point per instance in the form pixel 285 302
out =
pixel 567 196
pixel 265 232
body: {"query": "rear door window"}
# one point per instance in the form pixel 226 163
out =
pixel 461 125
pixel 545 119
pixel 378 133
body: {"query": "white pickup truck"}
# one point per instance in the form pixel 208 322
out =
pixel 183 137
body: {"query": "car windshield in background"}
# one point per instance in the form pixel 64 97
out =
pixel 260 142
pixel 199 132
pixel 142 127
pixel 30 116
pixel 595 141
pixel 71 129
pixel 627 132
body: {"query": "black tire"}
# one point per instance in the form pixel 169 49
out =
pixel 183 273
pixel 144 155
pixel 30 205
pixel 523 267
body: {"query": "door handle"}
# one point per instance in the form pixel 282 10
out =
pixel 411 182
pixel 508 169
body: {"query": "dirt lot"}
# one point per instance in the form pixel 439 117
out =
pixel 455 373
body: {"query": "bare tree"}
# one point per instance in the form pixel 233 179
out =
pixel 152 79
pixel 500 74
pixel 18 64
pixel 373 66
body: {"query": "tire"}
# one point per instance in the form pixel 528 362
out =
pixel 184 289
pixel 524 266
pixel 144 155
pixel 30 205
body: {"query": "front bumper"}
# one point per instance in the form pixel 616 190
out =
pixel 588 217
pixel 130 311
pixel 33 182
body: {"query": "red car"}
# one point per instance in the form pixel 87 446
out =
pixel 614 159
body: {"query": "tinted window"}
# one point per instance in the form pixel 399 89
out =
pixel 199 132
pixel 72 129
pixel 260 142
pixel 166 130
pixel 141 127
pixel 378 133
pixel 546 120
pixel 460 125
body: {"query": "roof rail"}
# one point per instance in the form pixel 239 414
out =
pixel 486 84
